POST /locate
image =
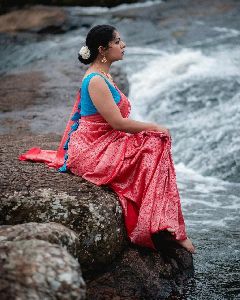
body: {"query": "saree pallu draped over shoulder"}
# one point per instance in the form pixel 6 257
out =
pixel 138 167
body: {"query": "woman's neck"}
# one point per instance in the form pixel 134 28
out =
pixel 102 67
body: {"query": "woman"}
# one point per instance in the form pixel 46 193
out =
pixel 107 147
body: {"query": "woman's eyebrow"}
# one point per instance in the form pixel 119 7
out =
pixel 118 38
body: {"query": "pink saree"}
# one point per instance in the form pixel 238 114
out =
pixel 138 167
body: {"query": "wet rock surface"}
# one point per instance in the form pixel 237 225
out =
pixel 34 269
pixel 141 274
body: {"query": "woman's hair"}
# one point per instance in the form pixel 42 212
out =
pixel 99 35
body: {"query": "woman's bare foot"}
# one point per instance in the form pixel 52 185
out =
pixel 187 244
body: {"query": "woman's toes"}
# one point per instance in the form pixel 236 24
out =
pixel 187 244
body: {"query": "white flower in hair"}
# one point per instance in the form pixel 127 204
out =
pixel 84 52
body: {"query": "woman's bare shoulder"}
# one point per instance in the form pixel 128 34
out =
pixel 97 82
pixel 97 78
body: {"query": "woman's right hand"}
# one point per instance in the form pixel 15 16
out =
pixel 162 129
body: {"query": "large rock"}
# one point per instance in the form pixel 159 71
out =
pixel 50 232
pixel 39 270
pixel 35 19
pixel 143 274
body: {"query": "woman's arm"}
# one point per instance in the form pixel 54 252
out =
pixel 104 102
pixel 131 126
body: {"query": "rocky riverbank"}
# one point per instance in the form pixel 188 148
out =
pixel 62 237
pixel 43 211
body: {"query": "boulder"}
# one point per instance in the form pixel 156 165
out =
pixel 35 19
pixel 50 232
pixel 143 274
pixel 34 269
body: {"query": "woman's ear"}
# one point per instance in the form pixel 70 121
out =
pixel 101 50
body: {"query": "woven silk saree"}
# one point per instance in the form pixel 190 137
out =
pixel 138 167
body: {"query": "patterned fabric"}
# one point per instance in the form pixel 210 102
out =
pixel 55 158
pixel 138 167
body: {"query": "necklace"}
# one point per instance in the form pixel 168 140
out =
pixel 105 74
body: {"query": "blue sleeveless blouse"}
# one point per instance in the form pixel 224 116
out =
pixel 87 106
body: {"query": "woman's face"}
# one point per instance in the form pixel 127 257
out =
pixel 116 48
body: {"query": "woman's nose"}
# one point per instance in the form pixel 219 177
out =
pixel 123 45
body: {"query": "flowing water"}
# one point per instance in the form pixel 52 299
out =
pixel 196 93
pixel 191 85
